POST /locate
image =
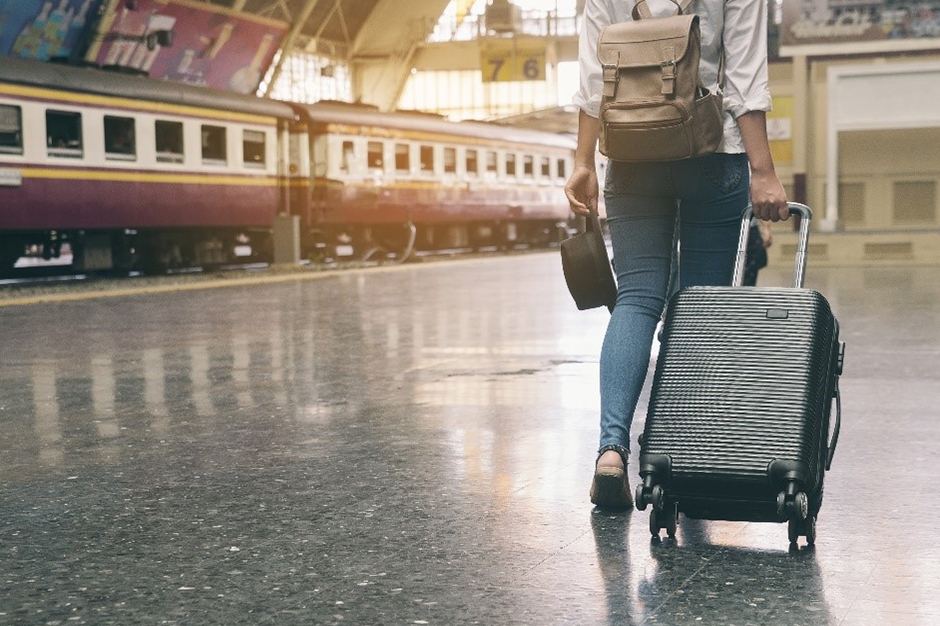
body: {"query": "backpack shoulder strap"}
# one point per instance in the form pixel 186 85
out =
pixel 642 11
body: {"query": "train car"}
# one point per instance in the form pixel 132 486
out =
pixel 132 172
pixel 402 180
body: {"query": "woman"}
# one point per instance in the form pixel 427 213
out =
pixel 644 200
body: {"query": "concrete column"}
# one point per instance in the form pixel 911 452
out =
pixel 287 239
pixel 830 221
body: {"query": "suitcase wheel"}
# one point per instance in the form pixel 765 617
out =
pixel 811 531
pixel 645 495
pixel 800 505
pixel 798 528
pixel 664 518
pixel 796 508
pixel 640 498
pixel 656 497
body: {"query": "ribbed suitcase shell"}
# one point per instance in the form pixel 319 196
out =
pixel 744 379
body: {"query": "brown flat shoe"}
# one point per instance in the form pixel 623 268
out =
pixel 611 489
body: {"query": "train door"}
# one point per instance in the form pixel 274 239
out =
pixel 299 179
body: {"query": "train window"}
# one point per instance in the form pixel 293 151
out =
pixel 169 141
pixel 348 162
pixel 214 148
pixel 11 129
pixel 375 156
pixel 561 169
pixel 253 148
pixel 427 158
pixel 510 164
pixel 402 158
pixel 472 163
pixel 119 139
pixel 491 162
pixel 64 134
pixel 546 167
pixel 450 160
pixel 528 166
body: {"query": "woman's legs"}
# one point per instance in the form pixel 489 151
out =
pixel 642 222
pixel 641 231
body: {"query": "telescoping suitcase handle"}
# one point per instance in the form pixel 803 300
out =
pixel 799 267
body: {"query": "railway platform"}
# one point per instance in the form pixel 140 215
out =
pixel 414 445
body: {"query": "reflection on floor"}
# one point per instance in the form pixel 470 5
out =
pixel 415 446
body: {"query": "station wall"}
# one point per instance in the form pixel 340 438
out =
pixel 889 179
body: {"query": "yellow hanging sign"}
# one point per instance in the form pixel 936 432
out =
pixel 511 64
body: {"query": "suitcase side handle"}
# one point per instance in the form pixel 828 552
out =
pixel 799 266
pixel 834 438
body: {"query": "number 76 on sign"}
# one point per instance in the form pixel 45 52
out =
pixel 512 65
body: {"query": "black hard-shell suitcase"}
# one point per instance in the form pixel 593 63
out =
pixel 738 426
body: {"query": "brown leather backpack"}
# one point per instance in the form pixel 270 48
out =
pixel 654 106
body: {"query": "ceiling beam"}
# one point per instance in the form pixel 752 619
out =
pixel 288 44
pixel 385 48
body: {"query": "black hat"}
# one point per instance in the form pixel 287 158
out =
pixel 587 268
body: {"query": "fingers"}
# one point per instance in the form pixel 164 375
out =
pixel 762 213
pixel 771 211
pixel 579 207
pixel 581 191
pixel 768 198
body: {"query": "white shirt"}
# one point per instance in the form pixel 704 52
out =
pixel 744 23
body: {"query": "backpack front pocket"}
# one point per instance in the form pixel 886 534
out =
pixel 646 131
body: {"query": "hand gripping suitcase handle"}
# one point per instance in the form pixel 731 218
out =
pixel 799 267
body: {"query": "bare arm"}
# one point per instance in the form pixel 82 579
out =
pixel 582 188
pixel 768 198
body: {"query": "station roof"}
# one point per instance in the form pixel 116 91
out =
pixel 354 27
pixel 333 20
pixel 380 38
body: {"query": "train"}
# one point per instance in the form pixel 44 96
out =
pixel 130 173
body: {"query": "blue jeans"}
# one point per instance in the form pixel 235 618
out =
pixel 646 203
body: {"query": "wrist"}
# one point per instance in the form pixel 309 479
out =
pixel 763 169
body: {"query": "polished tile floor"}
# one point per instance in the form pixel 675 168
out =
pixel 414 446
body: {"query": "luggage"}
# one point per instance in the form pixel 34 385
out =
pixel 738 426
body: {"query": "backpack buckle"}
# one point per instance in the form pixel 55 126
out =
pixel 610 72
pixel 668 69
